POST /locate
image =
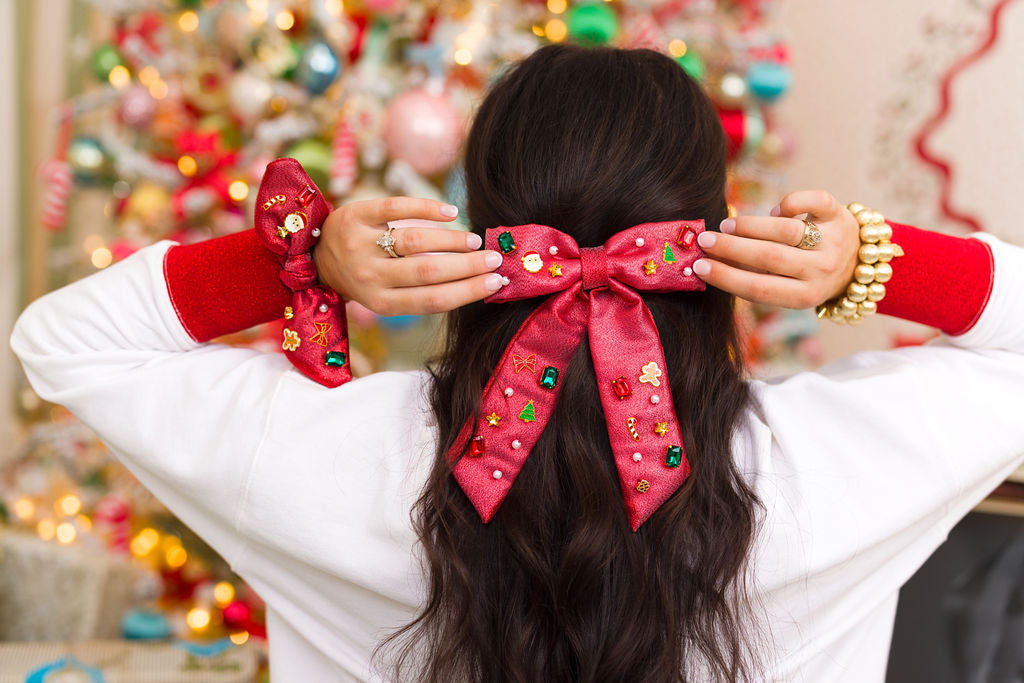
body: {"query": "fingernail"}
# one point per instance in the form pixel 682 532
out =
pixel 473 240
pixel 449 210
pixel 492 259
pixel 701 267
pixel 728 226
pixel 776 211
pixel 493 282
pixel 707 239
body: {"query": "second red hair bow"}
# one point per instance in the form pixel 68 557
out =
pixel 595 290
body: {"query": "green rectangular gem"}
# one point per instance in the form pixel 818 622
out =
pixel 674 456
pixel 506 243
pixel 336 358
pixel 549 378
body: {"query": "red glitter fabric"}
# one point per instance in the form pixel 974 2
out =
pixel 941 281
pixel 594 291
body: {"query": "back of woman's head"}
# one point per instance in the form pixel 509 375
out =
pixel 557 587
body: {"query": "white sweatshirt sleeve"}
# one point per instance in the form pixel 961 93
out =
pixel 110 348
pixel 874 458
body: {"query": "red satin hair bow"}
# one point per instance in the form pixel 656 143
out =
pixel 594 291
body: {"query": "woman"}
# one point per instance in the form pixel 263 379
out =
pixel 809 501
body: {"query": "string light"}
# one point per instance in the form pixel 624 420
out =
pixel 188 21
pixel 46 529
pixel 158 89
pixel 677 48
pixel 148 75
pixel 463 57
pixel 144 542
pixel 176 557
pixel 119 76
pixel 69 505
pixel 223 593
pixel 84 522
pixel 556 30
pixel 66 532
pixel 538 30
pixel 24 508
pixel 333 7
pixel 284 20
pixel 557 6
pixel 187 165
pixel 197 618
pixel 101 258
pixel 92 243
pixel 239 638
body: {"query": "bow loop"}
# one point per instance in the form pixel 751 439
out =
pixel 629 364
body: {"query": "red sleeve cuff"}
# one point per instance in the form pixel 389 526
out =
pixel 940 281
pixel 224 285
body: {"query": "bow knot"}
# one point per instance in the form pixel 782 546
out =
pixel 594 263
pixel 629 364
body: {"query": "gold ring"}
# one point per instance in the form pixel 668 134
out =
pixel 812 236
pixel 387 242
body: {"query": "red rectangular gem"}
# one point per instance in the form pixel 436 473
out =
pixel 306 196
pixel 687 238
pixel 621 388
pixel 476 447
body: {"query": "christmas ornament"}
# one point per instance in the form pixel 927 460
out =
pixel 423 130
pixel 315 157
pixel 693 65
pixel 249 95
pixel 89 160
pixel 137 107
pixel 592 23
pixel 318 67
pixel 103 60
pixel 729 90
pixel 769 80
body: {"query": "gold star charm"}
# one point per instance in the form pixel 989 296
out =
pixel 650 373
pixel 650 268
pixel 661 428
pixel 527 362
pixel 291 340
pixel 321 333
pixel 555 270
pixel 493 419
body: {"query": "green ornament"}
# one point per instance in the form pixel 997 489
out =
pixel 506 242
pixel 528 414
pixel 592 23
pixel 549 378
pixel 336 359
pixel 89 160
pixel 103 60
pixel 674 456
pixel 668 256
pixel 315 157
pixel 693 65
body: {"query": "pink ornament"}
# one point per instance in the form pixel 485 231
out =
pixel 236 613
pixel 423 130
pixel 112 522
pixel 57 178
pixel 137 107
pixel 343 159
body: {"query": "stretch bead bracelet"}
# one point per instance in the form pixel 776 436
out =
pixel 872 271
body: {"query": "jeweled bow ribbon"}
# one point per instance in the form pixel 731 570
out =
pixel 290 211
pixel 594 291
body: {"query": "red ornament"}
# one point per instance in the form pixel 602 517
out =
pixel 476 447
pixel 687 238
pixel 621 387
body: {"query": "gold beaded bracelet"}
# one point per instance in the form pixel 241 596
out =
pixel 870 275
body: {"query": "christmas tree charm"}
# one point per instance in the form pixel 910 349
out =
pixel 674 456
pixel 291 340
pixel 631 426
pixel 321 333
pixel 532 262
pixel 621 388
pixel 687 238
pixel 555 270
pixel 476 447
pixel 549 377
pixel 336 359
pixel 493 419
pixel 506 242
pixel 650 268
pixel 528 414
pixel 661 428
pixel 650 373
pixel 667 256
pixel 524 362
pixel 643 486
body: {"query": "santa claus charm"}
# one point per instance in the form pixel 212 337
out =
pixel 532 262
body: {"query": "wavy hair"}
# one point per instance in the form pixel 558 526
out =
pixel 557 587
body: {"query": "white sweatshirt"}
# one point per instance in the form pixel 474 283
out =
pixel 863 467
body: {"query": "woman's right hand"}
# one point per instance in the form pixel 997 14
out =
pixel 756 257
pixel 441 268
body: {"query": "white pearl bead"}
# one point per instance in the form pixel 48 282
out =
pixel 639 241
pixel 497 474
pixel 687 271
pixel 637 457
pixel 509 391
pixel 504 280
pixel 516 444
pixel 316 232
pixel 324 308
pixel 552 250
pixel 655 398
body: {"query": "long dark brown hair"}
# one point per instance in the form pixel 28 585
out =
pixel 557 587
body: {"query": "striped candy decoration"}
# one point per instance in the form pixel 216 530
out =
pixel 343 164
pixel 57 178
pixel 112 521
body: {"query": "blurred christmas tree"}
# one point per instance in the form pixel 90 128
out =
pixel 183 102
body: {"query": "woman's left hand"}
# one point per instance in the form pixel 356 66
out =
pixel 757 258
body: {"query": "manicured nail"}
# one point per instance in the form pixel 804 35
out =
pixel 473 240
pixel 707 239
pixel 701 267
pixel 492 259
pixel 493 282
pixel 449 210
pixel 728 226
pixel 776 211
